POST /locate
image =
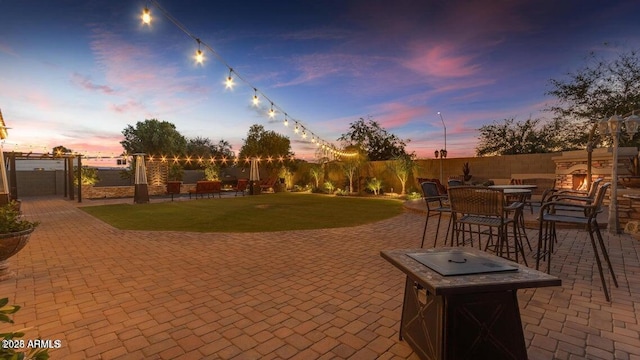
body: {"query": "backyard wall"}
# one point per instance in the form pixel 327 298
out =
pixel 500 169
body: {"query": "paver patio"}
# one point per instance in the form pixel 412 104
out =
pixel 323 294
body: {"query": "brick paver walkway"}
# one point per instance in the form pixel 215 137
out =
pixel 323 294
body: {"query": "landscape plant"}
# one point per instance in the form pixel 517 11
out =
pixel 328 185
pixel 89 175
pixel 286 174
pixel 402 167
pixel 175 172
pixel 212 172
pixel 374 185
pixel 317 173
pixel 466 172
pixel 11 220
pixel 16 337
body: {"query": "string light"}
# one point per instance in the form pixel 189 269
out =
pixel 229 82
pixel 256 101
pixel 296 129
pixel 272 113
pixel 146 16
pixel 286 121
pixel 199 54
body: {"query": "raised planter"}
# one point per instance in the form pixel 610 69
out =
pixel 11 244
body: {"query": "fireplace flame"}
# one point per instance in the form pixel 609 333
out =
pixel 583 185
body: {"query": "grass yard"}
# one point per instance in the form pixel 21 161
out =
pixel 267 212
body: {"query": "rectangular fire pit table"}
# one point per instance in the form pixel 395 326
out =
pixel 461 303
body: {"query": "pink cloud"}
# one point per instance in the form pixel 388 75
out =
pixel 4 48
pixel 130 105
pixel 319 66
pixel 397 114
pixel 138 74
pixel 442 60
pixel 86 83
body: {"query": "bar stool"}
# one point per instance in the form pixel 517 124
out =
pixel 589 209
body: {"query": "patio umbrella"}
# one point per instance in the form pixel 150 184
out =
pixel 254 177
pixel 4 189
pixel 141 191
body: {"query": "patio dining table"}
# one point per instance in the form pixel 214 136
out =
pixel 487 204
pixel 513 186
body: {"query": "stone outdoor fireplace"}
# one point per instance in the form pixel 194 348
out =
pixel 571 166
pixel 579 181
pixel 571 173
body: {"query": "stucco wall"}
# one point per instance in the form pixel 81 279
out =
pixel 499 168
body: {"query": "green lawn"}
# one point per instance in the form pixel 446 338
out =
pixel 267 212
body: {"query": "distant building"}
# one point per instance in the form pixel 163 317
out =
pixel 39 164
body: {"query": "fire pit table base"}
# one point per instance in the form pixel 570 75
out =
pixel 471 315
pixel 467 326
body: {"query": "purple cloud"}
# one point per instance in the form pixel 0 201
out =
pixel 86 83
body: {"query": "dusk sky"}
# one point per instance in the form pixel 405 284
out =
pixel 76 73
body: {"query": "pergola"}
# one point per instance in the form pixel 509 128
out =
pixel 9 186
pixel 11 157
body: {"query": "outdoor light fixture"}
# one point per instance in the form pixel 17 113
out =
pixel 613 127
pixel 286 121
pixel 256 101
pixel 146 16
pixel 199 57
pixel 229 82
pixel 199 54
pixel 296 129
pixel 272 113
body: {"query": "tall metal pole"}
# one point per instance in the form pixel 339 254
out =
pixel 445 130
pixel 613 224
pixel 442 154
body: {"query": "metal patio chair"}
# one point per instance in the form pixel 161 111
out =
pixel 549 216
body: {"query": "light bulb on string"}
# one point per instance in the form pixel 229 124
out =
pixel 256 101
pixel 200 58
pixel 296 129
pixel 272 113
pixel 199 54
pixel 146 16
pixel 229 82
pixel 286 121
pixel 304 134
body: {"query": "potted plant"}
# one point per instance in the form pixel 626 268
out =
pixel 466 172
pixel 14 235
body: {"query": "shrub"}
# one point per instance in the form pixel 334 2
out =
pixel 11 219
pixel 15 337
pixel 89 175
pixel 176 172
pixel 328 185
pixel 211 172
pixel 374 185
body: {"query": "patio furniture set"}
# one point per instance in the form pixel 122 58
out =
pixel 208 187
pixel 494 215
pixel 461 302
pixel 213 187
